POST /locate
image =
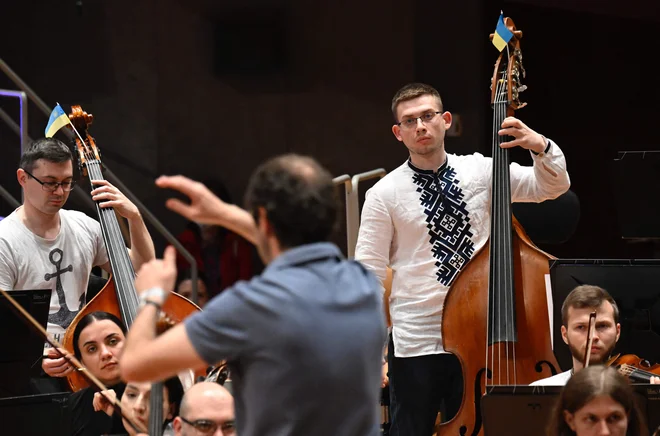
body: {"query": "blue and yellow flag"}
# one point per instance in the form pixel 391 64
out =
pixel 502 35
pixel 57 120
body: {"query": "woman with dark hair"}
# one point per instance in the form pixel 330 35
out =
pixel 596 401
pixel 97 341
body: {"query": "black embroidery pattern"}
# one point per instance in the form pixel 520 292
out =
pixel 448 222
pixel 63 316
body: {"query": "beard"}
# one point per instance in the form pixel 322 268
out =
pixel 593 360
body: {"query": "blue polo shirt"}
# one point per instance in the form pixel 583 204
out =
pixel 304 341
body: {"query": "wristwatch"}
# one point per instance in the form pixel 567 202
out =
pixel 155 296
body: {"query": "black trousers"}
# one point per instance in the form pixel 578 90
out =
pixel 420 387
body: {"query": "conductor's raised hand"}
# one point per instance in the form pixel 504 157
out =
pixel 204 206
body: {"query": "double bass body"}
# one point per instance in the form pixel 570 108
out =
pixel 522 362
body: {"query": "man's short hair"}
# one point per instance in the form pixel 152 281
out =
pixel 587 296
pixel 50 149
pixel 411 91
pixel 299 197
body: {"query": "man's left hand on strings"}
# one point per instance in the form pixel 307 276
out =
pixel 522 135
pixel 109 196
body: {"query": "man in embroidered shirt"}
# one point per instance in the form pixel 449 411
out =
pixel 425 220
pixel 303 340
pixel 575 313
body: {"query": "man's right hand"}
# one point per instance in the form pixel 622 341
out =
pixel 204 206
pixel 56 366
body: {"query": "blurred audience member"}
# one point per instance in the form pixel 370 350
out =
pixel 184 286
pixel 222 255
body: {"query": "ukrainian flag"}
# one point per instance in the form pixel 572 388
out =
pixel 57 120
pixel 502 35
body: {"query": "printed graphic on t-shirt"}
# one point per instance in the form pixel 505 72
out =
pixel 64 315
pixel 448 222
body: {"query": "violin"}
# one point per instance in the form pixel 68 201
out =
pixel 634 367
pixel 218 374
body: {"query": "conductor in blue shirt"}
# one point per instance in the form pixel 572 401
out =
pixel 303 340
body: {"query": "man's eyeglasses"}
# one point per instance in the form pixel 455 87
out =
pixel 206 426
pixel 52 186
pixel 411 123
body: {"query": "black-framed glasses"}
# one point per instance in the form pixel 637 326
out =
pixel 410 123
pixel 206 426
pixel 52 186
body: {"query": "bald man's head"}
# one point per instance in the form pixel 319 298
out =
pixel 209 402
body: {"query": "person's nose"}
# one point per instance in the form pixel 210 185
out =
pixel 59 190
pixel 603 428
pixel 140 405
pixel 105 353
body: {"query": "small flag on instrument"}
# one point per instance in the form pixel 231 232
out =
pixel 502 35
pixel 58 119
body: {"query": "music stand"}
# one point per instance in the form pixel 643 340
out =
pixel 520 410
pixel 634 175
pixel 526 410
pixel 24 347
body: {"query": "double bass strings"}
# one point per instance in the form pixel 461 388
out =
pixel 120 261
pixel 501 290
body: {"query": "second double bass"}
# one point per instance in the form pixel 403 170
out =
pixel 119 296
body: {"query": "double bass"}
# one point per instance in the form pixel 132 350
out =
pixel 501 292
pixel 118 296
